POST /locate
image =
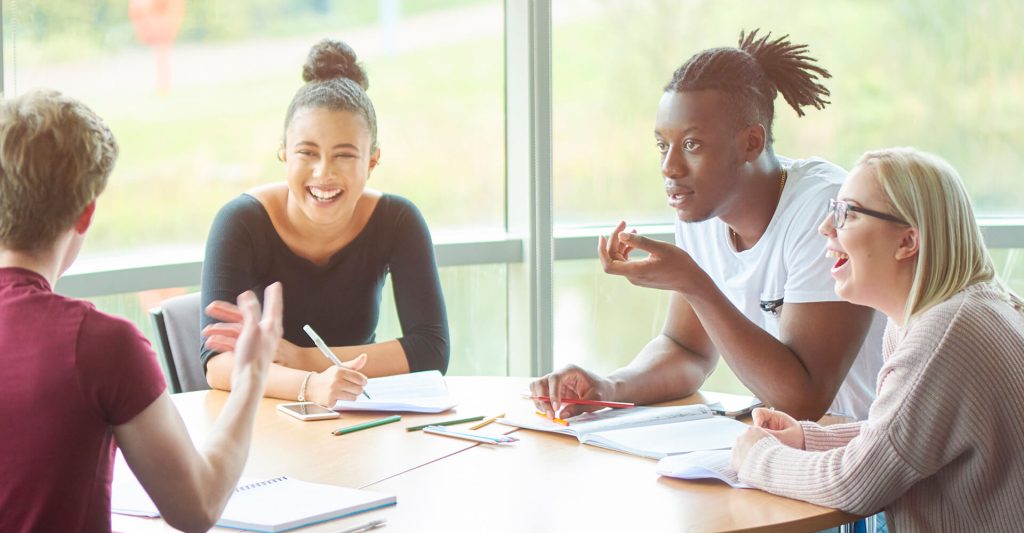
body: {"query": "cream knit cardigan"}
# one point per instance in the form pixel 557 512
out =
pixel 943 446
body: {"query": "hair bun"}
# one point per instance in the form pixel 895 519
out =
pixel 330 59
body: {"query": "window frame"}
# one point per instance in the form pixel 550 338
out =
pixel 531 242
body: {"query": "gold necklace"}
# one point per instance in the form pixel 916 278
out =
pixel 733 236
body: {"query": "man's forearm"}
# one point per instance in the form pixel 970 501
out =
pixel 769 368
pixel 662 371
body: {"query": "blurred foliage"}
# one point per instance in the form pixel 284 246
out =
pixel 943 76
pixel 60 30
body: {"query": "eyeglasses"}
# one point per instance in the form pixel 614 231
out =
pixel 839 209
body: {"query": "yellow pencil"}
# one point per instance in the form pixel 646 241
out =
pixel 488 421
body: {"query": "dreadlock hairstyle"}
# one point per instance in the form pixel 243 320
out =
pixel 751 75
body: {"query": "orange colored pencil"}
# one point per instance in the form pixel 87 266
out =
pixel 555 420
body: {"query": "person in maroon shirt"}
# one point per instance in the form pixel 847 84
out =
pixel 76 383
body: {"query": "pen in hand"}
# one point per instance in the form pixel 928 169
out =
pixel 322 346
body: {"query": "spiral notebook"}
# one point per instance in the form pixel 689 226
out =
pixel 283 503
pixel 276 504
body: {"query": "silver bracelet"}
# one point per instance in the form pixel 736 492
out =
pixel 302 389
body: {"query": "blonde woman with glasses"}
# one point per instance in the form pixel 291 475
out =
pixel 940 450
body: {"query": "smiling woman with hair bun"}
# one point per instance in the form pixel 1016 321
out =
pixel 332 242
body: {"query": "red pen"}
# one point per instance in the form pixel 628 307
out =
pixel 616 405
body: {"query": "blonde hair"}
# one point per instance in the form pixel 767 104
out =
pixel 55 157
pixel 927 192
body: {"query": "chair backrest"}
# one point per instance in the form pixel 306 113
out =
pixel 177 325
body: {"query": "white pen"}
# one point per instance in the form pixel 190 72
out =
pixel 322 346
pixel 374 524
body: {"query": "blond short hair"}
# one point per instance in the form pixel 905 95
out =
pixel 55 157
pixel 927 192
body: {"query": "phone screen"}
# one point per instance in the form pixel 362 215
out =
pixel 307 408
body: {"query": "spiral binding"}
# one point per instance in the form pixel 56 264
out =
pixel 251 486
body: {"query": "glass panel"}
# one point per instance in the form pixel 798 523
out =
pixel 1010 266
pixel 475 297
pixel 135 306
pixel 199 112
pixel 602 321
pixel 942 76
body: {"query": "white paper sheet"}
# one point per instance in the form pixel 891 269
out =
pixel 657 441
pixel 702 465
pixel 418 392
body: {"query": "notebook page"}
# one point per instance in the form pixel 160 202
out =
pixel 127 495
pixel 702 465
pixel 419 392
pixel 283 503
pixel 657 441
pixel 605 419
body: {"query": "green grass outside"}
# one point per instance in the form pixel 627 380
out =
pixel 186 153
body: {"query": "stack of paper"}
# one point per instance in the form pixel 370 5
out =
pixel 418 392
pixel 652 432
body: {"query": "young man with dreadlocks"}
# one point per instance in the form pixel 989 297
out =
pixel 749 277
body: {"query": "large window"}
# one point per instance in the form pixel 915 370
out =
pixel 942 76
pixel 199 117
pixel 199 121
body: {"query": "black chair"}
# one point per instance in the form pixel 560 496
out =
pixel 177 326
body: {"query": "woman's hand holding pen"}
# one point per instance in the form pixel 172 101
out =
pixel 343 382
pixel 781 426
pixel 325 387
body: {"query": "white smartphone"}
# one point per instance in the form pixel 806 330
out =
pixel 731 405
pixel 307 411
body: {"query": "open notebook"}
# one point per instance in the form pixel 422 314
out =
pixel 276 504
pixel 652 432
pixel 418 392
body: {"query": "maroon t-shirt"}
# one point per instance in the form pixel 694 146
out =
pixel 68 373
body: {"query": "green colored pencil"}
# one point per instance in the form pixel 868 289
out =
pixel 446 423
pixel 367 425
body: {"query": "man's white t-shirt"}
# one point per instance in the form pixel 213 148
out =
pixel 788 265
